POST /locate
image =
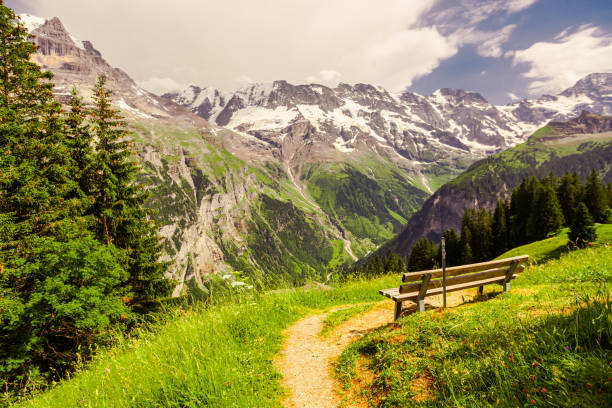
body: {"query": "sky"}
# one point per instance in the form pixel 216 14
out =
pixel 504 49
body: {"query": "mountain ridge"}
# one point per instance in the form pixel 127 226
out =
pixel 274 192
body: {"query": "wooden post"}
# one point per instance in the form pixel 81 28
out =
pixel 444 270
pixel 509 274
pixel 398 310
pixel 423 291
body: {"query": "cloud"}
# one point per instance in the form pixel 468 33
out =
pixel 513 96
pixel 160 86
pixel 266 40
pixel 325 76
pixel 453 15
pixel 554 66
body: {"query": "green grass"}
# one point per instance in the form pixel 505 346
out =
pixel 554 247
pixel 336 318
pixel 218 356
pixel 547 342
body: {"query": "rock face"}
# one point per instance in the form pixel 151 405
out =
pixel 290 180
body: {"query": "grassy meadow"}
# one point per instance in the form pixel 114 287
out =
pixel 547 342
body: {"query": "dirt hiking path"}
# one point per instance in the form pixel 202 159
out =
pixel 305 360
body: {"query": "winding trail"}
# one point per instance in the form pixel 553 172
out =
pixel 306 359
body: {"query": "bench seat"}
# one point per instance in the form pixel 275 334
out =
pixel 430 283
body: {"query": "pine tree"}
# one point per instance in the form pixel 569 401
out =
pixel 595 197
pixel 582 230
pixel 453 248
pixel 500 229
pixel 523 198
pixel 546 218
pixel 466 248
pixel 422 256
pixel 533 231
pixel 118 202
pixel 375 268
pixel 569 192
pixel 394 264
pixel 58 286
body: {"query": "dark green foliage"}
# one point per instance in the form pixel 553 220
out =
pixel 376 267
pixel 423 256
pixel 117 202
pixel 546 218
pixel 481 234
pixel 500 228
pixel 466 249
pixel 59 287
pixel 62 284
pixel 570 192
pixel 394 264
pixel 453 248
pixel 582 230
pixel 595 198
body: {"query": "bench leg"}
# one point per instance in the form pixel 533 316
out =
pixel 480 290
pixel 398 310
pixel 506 287
pixel 421 305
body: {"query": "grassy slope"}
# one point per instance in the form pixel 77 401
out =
pixel 370 199
pixel 221 355
pixel 218 356
pixel 546 342
pixel 554 247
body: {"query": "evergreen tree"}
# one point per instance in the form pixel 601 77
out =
pixel 466 248
pixel 595 197
pixel 422 256
pixel 546 217
pixel 523 198
pixel 118 200
pixel 58 286
pixel 500 229
pixel 533 230
pixel 582 230
pixel 570 192
pixel 453 248
pixel 375 268
pixel 394 264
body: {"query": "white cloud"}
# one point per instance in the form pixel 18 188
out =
pixel 266 40
pixel 160 86
pixel 325 76
pixel 554 66
pixel 513 96
pixel 491 46
pixel 489 43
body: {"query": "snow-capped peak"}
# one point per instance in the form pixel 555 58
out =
pixel 31 22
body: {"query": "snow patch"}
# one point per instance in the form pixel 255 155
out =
pixel 263 118
pixel 125 107
pixel 31 22
pixel 339 144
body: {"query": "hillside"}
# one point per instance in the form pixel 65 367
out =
pixel 579 145
pixel 551 332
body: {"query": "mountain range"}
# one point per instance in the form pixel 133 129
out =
pixel 294 181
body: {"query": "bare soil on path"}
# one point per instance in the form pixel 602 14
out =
pixel 306 359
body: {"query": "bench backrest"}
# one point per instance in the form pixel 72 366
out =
pixel 462 274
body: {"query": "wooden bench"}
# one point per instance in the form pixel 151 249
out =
pixel 419 285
